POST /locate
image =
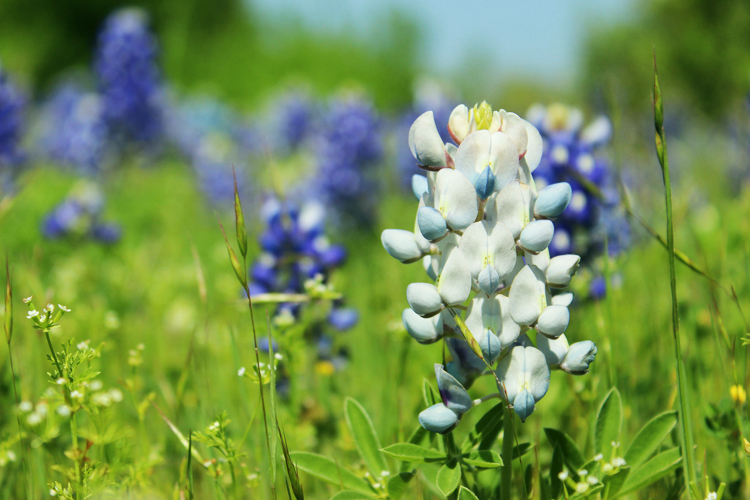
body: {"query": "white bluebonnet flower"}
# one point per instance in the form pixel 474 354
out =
pixel 482 226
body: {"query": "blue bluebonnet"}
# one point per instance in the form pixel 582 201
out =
pixel 129 79
pixel 79 215
pixel 295 250
pixel 349 147
pixel 427 97
pixel 12 109
pixel 573 154
pixel 292 122
pixel 214 139
pixel 74 132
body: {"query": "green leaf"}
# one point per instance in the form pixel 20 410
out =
pixel 416 438
pixel 351 495
pixel 326 469
pixel 398 483
pixel 449 477
pixel 487 427
pixel 649 438
pixel 412 453
pixel 544 488
pixel 465 493
pixel 555 468
pixel 570 452
pixel 608 421
pixel 653 470
pixel 616 481
pixel 365 437
pixel 487 459
pixel 522 449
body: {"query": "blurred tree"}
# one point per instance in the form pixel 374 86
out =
pixel 701 48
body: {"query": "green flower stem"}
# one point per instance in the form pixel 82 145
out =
pixel 54 356
pixel 506 478
pixel 76 459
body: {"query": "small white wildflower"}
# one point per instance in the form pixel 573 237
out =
pixel 50 308
pixel 598 457
pixel 116 395
pixel 83 345
pixel 32 314
pixel 43 318
pixel 376 485
pixel 52 493
pixel 712 496
pixel 261 364
pixel 101 399
pixel 207 464
pixel 63 308
pixel 252 477
pixel 96 385
pixel 63 410
pixel 615 444
pixel 562 476
pixel 28 299
pixel 141 346
pixel 607 467
pixel 41 408
pixel 618 462
pixel 592 480
pixel 61 381
pixel 583 472
pixel 582 487
pixel 278 356
pixel 33 419
pixel 384 473
pixel 76 394
pixel 11 456
pixel 241 371
pixel 25 406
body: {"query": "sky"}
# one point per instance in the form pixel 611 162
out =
pixel 534 38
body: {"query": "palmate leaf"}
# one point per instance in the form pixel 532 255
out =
pixel 326 469
pixel 465 493
pixel 570 452
pixel 449 477
pixel 398 483
pixel 608 421
pixel 649 438
pixel 653 470
pixel 419 434
pixel 365 437
pixel 413 453
pixel 486 430
pixel 486 459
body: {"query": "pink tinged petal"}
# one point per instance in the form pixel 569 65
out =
pixel 424 299
pixel 400 245
pixel 456 199
pixel 554 350
pixel 473 155
pixel 515 127
pixel 503 159
pixel 425 142
pixel 553 321
pixel 527 297
pixel 534 147
pixel 458 123
pixel 537 235
pixel 454 284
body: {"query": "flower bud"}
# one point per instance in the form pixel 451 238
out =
pixel 458 123
pixel 400 245
pixel 524 405
pixel 553 321
pixel 490 345
pixel 432 224
pixel 425 142
pixel 561 270
pixel 438 418
pixel 485 183
pixel 424 330
pixel 419 185
pixel 424 299
pixel 553 200
pixel 537 235
pixel 482 114
pixel 580 356
pixel 453 394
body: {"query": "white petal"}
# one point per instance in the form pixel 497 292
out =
pixel 424 330
pixel 421 241
pixel 524 368
pixel 534 147
pixel 456 199
pixel 537 235
pixel 515 127
pixel 527 299
pixel 458 123
pixel 512 207
pixel 454 284
pixel 537 372
pixel 474 154
pixel 431 266
pixel 400 245
pixel 425 142
pixel 597 132
pixel 503 159
pixel 510 330
pixel 562 299
pixel 553 321
pixel 540 260
pixel 554 350
pixel 424 298
pixel 561 270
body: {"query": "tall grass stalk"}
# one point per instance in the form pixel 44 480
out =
pixel 686 440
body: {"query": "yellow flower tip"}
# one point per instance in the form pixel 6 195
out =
pixel 482 115
pixel 739 396
pixel 325 368
pixel 746 446
pixel 557 114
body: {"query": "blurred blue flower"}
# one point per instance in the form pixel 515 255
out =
pixel 291 122
pixel 130 82
pixel 73 130
pixel 349 148
pixel 12 109
pixel 79 215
